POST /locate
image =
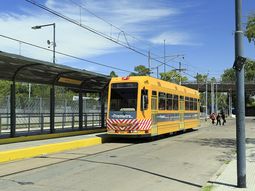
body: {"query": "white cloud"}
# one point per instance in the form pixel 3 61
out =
pixel 71 39
pixel 174 38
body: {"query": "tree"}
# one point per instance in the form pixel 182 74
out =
pixel 250 28
pixel 113 74
pixel 141 70
pixel 173 76
pixel 228 75
pixel 249 71
pixel 4 88
pixel 201 78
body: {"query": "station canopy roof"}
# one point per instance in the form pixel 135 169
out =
pixel 23 69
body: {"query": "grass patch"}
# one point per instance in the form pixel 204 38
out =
pixel 207 188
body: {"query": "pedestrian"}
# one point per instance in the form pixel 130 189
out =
pixel 223 116
pixel 212 117
pixel 218 118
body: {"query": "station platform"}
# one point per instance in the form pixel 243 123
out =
pixel 31 146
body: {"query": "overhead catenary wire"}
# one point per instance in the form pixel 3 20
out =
pixel 65 54
pixel 85 27
pixel 92 30
pixel 81 6
pixel 103 35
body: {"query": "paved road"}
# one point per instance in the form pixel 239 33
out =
pixel 182 162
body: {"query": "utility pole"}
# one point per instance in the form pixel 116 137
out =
pixel 197 83
pixel 216 97
pixel 180 72
pixel 164 56
pixel 212 97
pixel 229 103
pixel 240 103
pixel 29 91
pixel 149 61
pixel 206 105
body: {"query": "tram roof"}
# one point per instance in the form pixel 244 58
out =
pixel 156 82
pixel 23 69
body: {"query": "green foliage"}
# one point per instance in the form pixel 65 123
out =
pixel 201 78
pixel 173 76
pixel 22 91
pixel 250 102
pixel 141 70
pixel 207 188
pixel 4 88
pixel 228 75
pixel 113 74
pixel 250 28
pixel 249 71
pixel 213 79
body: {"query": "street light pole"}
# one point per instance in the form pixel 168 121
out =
pixel 212 97
pixel 149 61
pixel 240 114
pixel 164 56
pixel 206 106
pixel 54 43
pixel 180 73
pixel 216 97
pixel 54 38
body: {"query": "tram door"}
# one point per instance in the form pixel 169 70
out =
pixel 182 108
pixel 154 112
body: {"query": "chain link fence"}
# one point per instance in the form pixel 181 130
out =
pixel 33 114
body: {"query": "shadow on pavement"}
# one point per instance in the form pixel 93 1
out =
pixel 130 167
pixel 137 140
pixel 222 183
pixel 216 142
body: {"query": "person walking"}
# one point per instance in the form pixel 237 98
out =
pixel 218 118
pixel 223 116
pixel 212 117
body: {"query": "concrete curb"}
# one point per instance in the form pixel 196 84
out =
pixel 29 152
pixel 48 136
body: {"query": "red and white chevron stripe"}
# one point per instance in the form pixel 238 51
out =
pixel 128 124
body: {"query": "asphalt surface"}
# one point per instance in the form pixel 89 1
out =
pixel 179 162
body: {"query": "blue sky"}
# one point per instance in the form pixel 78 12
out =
pixel 202 30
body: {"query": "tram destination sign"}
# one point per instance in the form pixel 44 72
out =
pixel 122 115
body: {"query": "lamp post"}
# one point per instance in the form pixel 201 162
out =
pixel 164 56
pixel 54 37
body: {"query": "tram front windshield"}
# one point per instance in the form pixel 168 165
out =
pixel 123 97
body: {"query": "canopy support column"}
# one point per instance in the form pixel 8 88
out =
pixel 80 110
pixel 13 109
pixel 52 109
pixel 102 98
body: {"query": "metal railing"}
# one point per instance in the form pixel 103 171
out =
pixel 37 123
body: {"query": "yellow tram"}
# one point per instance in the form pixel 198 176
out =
pixel 146 106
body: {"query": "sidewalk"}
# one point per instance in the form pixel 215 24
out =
pixel 226 178
pixel 22 150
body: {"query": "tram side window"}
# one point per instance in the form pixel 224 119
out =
pixel 195 104
pixel 169 102
pixel 187 104
pixel 191 104
pixel 175 102
pixel 154 100
pixel 144 99
pixel 181 102
pixel 162 101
